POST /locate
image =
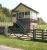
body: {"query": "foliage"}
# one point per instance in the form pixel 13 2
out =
pixel 41 21
pixel 42 26
pixel 4 14
pixel 6 11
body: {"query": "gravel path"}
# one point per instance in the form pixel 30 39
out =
pixel 2 47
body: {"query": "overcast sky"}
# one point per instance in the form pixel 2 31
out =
pixel 39 5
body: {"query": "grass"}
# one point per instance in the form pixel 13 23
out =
pixel 26 45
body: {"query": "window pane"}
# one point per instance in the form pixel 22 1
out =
pixel 25 13
pixel 17 14
pixel 22 14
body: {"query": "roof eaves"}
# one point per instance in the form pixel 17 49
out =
pixel 25 6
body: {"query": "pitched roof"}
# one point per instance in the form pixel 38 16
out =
pixel 25 6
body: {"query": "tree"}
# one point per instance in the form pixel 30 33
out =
pixel 5 14
pixel 6 11
pixel 41 21
pixel 0 6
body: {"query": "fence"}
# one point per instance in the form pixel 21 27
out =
pixel 39 34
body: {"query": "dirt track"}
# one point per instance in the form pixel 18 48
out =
pixel 2 47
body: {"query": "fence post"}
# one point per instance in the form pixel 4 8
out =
pixel 34 34
pixel 42 34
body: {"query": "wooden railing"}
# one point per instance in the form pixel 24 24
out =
pixel 39 34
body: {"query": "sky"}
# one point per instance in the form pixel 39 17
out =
pixel 39 5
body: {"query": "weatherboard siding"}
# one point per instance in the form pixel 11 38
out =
pixel 22 9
